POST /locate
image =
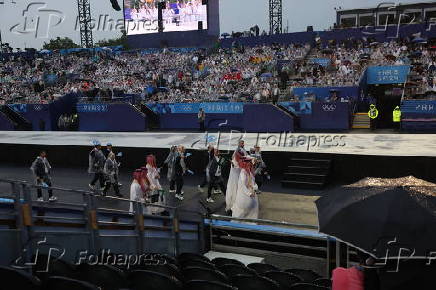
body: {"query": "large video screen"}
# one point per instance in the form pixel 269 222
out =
pixel 141 16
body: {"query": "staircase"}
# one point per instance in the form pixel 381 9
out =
pixel 309 173
pixel 20 123
pixel 361 121
pixel 152 118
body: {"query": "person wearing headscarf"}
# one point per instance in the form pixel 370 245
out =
pixel 136 189
pixel 96 166
pixel 156 193
pixel 169 162
pixel 111 173
pixel 232 182
pixel 246 203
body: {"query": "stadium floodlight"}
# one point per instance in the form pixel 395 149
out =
pixel 115 5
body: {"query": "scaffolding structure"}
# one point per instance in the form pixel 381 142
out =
pixel 275 16
pixel 84 8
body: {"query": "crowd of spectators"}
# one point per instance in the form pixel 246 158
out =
pixel 255 74
pixel 233 74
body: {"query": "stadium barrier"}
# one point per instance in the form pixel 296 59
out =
pixel 418 115
pixel 284 38
pixel 101 117
pixel 379 33
pixel 224 116
pixel 321 252
pixel 37 114
pixel 327 116
pixel 323 93
pixel 5 123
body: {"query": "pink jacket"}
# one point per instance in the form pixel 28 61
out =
pixel 348 279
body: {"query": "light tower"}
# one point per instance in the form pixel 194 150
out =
pixel 275 16
pixel 84 8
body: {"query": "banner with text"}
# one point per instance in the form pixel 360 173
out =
pixel 193 108
pixel 387 74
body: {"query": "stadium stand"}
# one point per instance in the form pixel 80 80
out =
pixel 96 276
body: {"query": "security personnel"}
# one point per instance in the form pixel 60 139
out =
pixel 396 117
pixel 373 114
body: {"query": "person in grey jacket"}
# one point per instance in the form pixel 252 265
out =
pixel 41 170
pixel 96 166
pixel 170 162
pixel 111 173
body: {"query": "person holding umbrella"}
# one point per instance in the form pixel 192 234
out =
pixel 390 219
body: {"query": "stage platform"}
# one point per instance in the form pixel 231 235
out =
pixel 400 145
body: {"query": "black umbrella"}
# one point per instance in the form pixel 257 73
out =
pixel 375 215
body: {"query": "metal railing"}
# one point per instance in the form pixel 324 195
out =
pixel 335 253
pixel 88 215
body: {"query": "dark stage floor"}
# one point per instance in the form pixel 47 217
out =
pixel 276 202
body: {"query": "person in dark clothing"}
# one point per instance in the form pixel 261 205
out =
pixel 169 162
pixel 208 156
pixel 96 166
pixel 215 174
pixel 201 119
pixel 180 170
pixel 41 170
pixel 111 172
pixel 110 149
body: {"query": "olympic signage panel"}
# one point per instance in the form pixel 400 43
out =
pixel 420 107
pixel 387 74
pixel 193 108
pixel 298 108
pixel 92 108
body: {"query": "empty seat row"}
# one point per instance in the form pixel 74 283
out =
pixel 188 271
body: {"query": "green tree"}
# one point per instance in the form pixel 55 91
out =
pixel 60 43
pixel 122 40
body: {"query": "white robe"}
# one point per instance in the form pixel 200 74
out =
pixel 232 185
pixel 246 206
pixel 136 194
pixel 152 174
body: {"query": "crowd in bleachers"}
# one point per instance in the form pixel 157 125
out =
pixel 237 74
pixel 166 76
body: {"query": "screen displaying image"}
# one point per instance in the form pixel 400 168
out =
pixel 141 16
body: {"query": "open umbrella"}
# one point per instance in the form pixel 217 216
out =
pixel 391 57
pixel 377 215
